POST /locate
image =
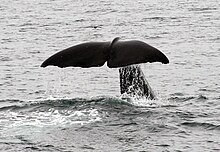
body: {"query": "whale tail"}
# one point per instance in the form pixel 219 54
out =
pixel 116 54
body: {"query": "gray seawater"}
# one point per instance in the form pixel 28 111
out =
pixel 74 109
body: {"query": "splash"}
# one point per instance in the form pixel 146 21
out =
pixel 142 101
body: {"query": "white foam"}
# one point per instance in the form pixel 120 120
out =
pixel 145 102
pixel 51 117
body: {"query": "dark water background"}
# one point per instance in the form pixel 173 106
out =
pixel 74 109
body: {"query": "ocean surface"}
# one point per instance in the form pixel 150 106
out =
pixel 81 110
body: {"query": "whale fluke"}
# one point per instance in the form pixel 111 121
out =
pixel 116 54
pixel 91 54
pixel 124 53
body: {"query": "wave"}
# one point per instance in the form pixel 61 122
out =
pixel 53 111
pixel 56 103
pixel 59 112
pixel 202 125
pixel 62 103
pixel 179 97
